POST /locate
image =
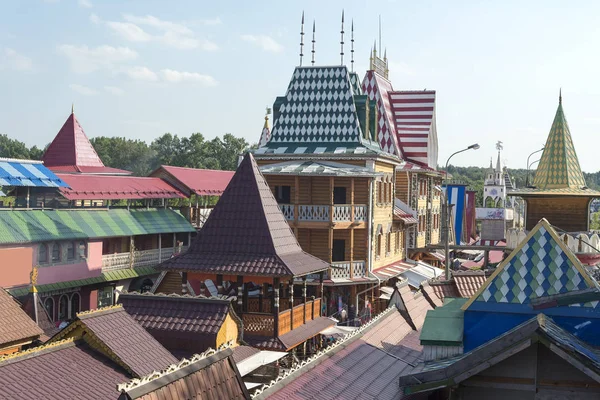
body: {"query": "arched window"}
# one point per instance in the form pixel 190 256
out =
pixel 49 306
pixel 63 308
pixel 489 203
pixel 75 305
pixel 500 203
pixel 146 285
pixel 43 253
pixel 55 252
pixel 70 251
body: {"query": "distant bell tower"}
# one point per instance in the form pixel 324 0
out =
pixel 494 189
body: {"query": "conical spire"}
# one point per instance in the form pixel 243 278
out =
pixel 498 166
pixel 266 132
pixel 559 166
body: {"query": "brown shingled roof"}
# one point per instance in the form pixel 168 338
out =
pixel 468 282
pixel 64 370
pixel 414 304
pixel 122 338
pixel 212 375
pixel 182 323
pixel 15 324
pixel 246 234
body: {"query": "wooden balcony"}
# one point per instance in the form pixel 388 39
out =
pixel 263 323
pixel 347 270
pixel 142 258
pixel 338 215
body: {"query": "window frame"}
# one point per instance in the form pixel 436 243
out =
pixel 45 247
pixel 51 315
pixel 59 259
pixel 71 245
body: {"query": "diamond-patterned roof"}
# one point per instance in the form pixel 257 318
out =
pixel 318 109
pixel 559 165
pixel 540 266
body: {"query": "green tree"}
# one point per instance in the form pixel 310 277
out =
pixel 12 148
pixel 168 149
pixel 132 155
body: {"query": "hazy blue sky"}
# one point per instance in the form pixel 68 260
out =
pixel 142 68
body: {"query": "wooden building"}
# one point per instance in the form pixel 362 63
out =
pixel 249 250
pixel 559 193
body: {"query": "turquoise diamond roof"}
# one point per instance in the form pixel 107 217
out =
pixel 318 115
pixel 541 266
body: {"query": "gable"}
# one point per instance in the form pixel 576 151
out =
pixel 540 266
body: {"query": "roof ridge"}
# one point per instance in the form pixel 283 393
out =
pixel 100 311
pixel 48 347
pixel 185 362
pixel 175 296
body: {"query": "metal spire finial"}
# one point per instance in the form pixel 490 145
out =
pixel 352 47
pixel 374 48
pixel 313 45
pixel 560 96
pixel 379 33
pixel 302 38
pixel 342 41
pixel 72 108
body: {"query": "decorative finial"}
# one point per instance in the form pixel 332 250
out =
pixel 267 112
pixel 499 145
pixel 72 108
pixel 352 47
pixel 342 41
pixel 302 38
pixel 379 33
pixel 385 54
pixel 560 96
pixel 313 45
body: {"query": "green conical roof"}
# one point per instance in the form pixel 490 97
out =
pixel 559 166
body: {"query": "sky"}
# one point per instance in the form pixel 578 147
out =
pixel 142 68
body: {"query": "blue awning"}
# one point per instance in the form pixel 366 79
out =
pixel 27 173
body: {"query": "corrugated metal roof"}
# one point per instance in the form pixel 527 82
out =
pixel 27 173
pixel 111 187
pixel 321 168
pixel 203 182
pixel 27 226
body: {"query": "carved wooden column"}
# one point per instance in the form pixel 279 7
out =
pixel 240 295
pixel 304 297
pixel 184 282
pixel 276 307
pixel 291 300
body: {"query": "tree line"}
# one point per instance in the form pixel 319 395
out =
pixel 142 158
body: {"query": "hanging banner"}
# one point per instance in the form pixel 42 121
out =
pixel 456 197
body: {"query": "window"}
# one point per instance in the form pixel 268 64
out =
pixel 388 244
pixel 55 252
pixel 379 194
pixel 378 245
pixel 283 194
pixel 75 305
pixel 489 202
pixel 339 195
pixel 82 249
pixel 397 241
pixel 63 307
pixel 49 306
pixel 42 253
pixel 105 296
pixel 70 251
pixel 338 253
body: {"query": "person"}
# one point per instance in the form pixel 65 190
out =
pixel 343 315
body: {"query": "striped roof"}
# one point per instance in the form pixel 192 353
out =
pixel 28 226
pixel 322 168
pixel 406 124
pixel 559 166
pixel 414 116
pixel 27 173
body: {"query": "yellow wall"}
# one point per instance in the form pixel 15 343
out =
pixel 229 332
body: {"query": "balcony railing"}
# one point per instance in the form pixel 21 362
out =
pixel 341 270
pixel 322 213
pixel 577 242
pixel 141 258
pixel 263 324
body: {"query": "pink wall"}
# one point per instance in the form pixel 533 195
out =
pixel 15 266
pixel 70 272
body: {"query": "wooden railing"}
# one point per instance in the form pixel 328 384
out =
pixel 259 324
pixel 322 213
pixel 342 270
pixel 141 258
pixel 263 324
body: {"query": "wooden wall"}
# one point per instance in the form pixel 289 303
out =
pixel 567 213
pixel 229 332
pixel 171 283
pixel 402 186
pixel 319 244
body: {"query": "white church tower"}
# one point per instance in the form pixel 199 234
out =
pixel 494 186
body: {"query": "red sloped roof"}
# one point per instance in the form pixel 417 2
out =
pixel 198 181
pixel 72 152
pixel 111 187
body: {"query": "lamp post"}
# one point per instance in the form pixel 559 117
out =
pixel 528 165
pixel 447 210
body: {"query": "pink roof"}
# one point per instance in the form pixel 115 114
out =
pixel 111 187
pixel 202 182
pixel 72 152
